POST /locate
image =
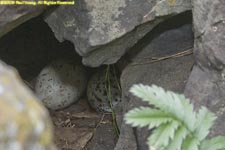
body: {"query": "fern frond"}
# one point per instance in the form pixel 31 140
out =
pixel 216 143
pixel 147 94
pixel 204 122
pixel 189 116
pixel 175 104
pixel 180 134
pixel 178 125
pixel 145 116
pixel 190 143
pixel 161 136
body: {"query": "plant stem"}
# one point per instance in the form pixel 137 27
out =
pixel 109 96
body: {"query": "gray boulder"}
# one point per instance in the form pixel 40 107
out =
pixel 25 124
pixel 171 74
pixel 103 32
pixel 207 81
pixel 14 15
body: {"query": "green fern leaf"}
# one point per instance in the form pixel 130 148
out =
pixel 190 143
pixel 216 143
pixel 145 116
pixel 189 116
pixel 180 135
pixel 150 94
pixel 166 101
pixel 178 125
pixel 204 122
pixel 160 136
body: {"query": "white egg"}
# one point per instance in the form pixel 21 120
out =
pixel 60 84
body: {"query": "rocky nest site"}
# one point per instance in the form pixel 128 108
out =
pixel 74 67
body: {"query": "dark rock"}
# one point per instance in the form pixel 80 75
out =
pixel 103 32
pixel 171 74
pixel 14 15
pixel 31 46
pixel 207 81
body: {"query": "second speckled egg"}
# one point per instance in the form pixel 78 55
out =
pixel 103 94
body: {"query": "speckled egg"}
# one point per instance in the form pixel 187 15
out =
pixel 97 92
pixel 60 84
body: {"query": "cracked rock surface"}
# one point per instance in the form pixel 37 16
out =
pixel 103 32
pixel 206 83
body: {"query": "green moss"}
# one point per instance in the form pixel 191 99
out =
pixel 172 2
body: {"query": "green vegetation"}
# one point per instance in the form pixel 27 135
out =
pixel 109 97
pixel 176 125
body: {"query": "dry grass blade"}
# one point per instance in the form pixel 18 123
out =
pixel 156 59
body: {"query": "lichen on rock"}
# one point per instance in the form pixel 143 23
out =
pixel 24 122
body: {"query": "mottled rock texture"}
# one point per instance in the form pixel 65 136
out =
pixel 206 84
pixel 14 15
pixel 24 123
pixel 103 31
pixel 171 74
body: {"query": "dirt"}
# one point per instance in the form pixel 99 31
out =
pixel 81 128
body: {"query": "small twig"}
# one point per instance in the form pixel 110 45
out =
pixel 94 131
pixel 101 120
pixel 156 59
pixel 29 85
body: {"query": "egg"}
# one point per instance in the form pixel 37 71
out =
pixel 60 84
pixel 98 92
